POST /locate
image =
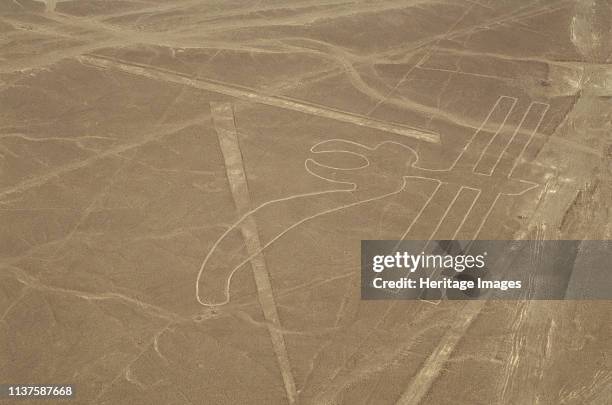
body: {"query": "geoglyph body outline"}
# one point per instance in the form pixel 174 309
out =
pixel 354 186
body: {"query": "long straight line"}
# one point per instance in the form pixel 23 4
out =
pixel 428 373
pixel 223 119
pixel 255 96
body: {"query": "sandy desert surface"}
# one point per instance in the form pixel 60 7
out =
pixel 184 186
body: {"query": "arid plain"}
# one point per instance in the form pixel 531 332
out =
pixel 184 186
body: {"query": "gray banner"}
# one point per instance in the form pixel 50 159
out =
pixel 507 270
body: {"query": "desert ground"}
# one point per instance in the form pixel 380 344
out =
pixel 184 186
